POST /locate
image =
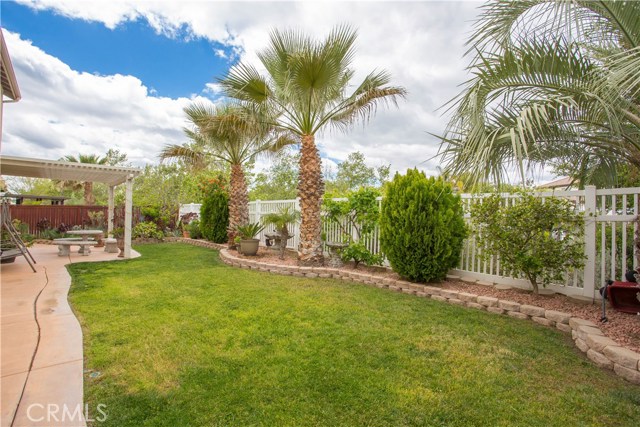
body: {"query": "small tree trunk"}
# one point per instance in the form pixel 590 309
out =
pixel 310 191
pixel 534 283
pixel 238 202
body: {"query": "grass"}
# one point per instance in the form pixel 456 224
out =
pixel 178 338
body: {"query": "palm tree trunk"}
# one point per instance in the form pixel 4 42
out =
pixel 238 202
pixel 310 191
pixel 88 194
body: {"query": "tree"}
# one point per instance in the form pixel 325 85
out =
pixel 304 91
pixel 229 134
pixel 554 82
pixel 356 218
pixel 93 159
pixel 537 238
pixel 353 174
pixel 280 181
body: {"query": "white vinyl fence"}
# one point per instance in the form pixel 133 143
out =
pixel 609 235
pixel 610 227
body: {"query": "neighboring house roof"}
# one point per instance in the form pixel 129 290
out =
pixel 10 87
pixel 65 171
pixel 559 183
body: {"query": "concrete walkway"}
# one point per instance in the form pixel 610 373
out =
pixel 41 352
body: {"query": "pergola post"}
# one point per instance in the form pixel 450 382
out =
pixel 110 212
pixel 128 216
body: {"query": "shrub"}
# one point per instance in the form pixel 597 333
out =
pixel 356 218
pixel 147 230
pixel 421 226
pixel 214 214
pixel 193 227
pixel 536 238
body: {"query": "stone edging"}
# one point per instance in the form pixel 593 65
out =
pixel 603 351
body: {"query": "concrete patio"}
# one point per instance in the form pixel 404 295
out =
pixel 41 353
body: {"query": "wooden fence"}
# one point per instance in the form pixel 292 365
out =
pixel 70 216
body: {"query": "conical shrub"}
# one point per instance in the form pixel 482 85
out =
pixel 422 227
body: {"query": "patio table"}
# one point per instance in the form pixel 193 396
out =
pixel 85 234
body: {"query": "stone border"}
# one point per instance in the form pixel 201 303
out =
pixel 603 351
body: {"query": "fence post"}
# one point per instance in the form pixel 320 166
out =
pixel 589 276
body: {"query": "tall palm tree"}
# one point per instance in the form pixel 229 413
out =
pixel 304 90
pixel 94 159
pixel 554 82
pixel 227 133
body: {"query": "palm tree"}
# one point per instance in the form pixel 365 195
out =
pixel 305 90
pixel 227 133
pixel 93 159
pixel 555 82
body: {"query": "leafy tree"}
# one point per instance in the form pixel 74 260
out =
pixel 160 189
pixel 353 174
pixel 305 90
pixel 421 226
pixel 357 218
pixel 229 134
pixel 555 82
pixel 280 181
pixel 537 238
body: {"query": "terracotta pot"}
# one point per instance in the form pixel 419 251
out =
pixel 186 234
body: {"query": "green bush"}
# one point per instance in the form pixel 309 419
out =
pixel 356 218
pixel 421 227
pixel 214 215
pixel 539 239
pixel 194 229
pixel 147 230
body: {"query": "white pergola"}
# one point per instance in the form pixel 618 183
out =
pixel 70 171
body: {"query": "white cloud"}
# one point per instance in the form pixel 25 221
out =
pixel 420 43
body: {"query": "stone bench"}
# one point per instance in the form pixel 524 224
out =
pixel 65 245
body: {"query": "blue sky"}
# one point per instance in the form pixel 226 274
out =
pixel 103 74
pixel 173 67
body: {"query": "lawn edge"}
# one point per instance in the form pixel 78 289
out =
pixel 588 338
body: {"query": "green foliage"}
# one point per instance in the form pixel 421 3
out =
pixel 281 218
pixel 249 231
pixel 194 229
pixel 357 218
pixel 96 220
pixel 147 230
pixel 160 190
pixel 214 213
pixel 280 181
pixel 359 253
pixel 353 174
pixel 537 238
pixel 50 234
pixel 421 227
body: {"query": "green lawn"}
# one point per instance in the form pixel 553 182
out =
pixel 180 339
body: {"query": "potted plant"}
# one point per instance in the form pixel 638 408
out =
pixel 281 221
pixel 248 242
